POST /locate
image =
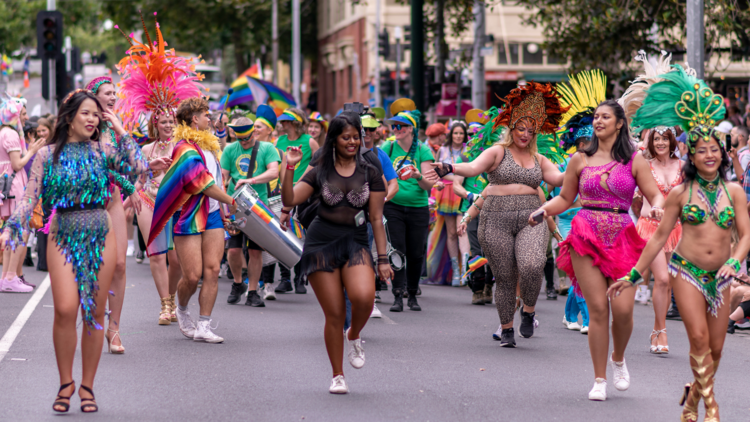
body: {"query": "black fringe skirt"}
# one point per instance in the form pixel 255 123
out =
pixel 329 246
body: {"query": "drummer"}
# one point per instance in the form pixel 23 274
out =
pixel 236 161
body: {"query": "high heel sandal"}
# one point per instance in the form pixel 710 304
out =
pixel 689 402
pixel 65 406
pixel 704 383
pixel 173 309
pixel 658 350
pixel 165 314
pixel 93 407
pixel 113 349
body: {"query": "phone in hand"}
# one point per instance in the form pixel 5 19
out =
pixel 728 142
pixel 538 216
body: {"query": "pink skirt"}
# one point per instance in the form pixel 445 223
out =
pixel 610 239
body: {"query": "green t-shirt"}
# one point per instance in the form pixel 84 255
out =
pixel 304 141
pixel 409 193
pixel 236 160
pixel 475 185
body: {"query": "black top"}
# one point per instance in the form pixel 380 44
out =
pixel 342 198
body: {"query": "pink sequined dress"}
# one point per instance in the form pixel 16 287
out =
pixel 608 237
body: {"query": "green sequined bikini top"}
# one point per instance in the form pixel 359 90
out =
pixel 710 194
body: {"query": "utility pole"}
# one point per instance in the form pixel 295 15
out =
pixel 275 40
pixel 478 87
pixel 398 33
pixel 696 49
pixel 378 98
pixel 296 53
pixel 417 54
pixel 439 36
pixel 52 67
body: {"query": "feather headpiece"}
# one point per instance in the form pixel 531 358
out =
pixel 487 136
pixel 154 80
pixel 538 102
pixel 10 112
pixel 583 93
pixel 633 97
pixel 681 99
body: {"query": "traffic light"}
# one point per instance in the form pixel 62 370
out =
pixel 387 84
pixel 49 34
pixel 384 46
pixel 407 34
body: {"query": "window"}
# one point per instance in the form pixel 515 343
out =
pixel 551 59
pixel 333 85
pixel 350 71
pixel 502 57
pixel 532 53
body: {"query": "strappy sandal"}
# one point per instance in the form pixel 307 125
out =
pixel 92 407
pixel 65 406
pixel 658 350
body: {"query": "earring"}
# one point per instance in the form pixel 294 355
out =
pixel 334 156
pixel 97 134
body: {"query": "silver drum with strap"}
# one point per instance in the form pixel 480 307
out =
pixel 262 226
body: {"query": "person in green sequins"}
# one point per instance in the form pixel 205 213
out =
pixel 294 123
pixel 408 213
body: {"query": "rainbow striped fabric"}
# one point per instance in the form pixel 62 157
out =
pixel 297 229
pixel 475 263
pixel 247 89
pixel 262 211
pixel 182 187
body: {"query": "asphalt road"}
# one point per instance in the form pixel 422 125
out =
pixel 440 364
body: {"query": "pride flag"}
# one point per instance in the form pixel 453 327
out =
pixel 474 264
pixel 297 229
pixel 261 211
pixel 247 89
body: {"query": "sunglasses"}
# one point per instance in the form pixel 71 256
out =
pixel 397 127
pixel 245 139
pixel 370 129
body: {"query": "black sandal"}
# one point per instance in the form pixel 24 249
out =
pixel 92 406
pixel 57 402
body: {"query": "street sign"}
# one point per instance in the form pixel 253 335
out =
pixel 371 102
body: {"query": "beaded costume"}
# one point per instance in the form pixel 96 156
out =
pixel 76 185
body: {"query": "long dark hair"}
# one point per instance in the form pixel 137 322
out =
pixel 324 156
pixel 689 171
pixel 68 111
pixel 453 128
pixel 623 149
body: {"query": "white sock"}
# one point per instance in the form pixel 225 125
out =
pixel 130 244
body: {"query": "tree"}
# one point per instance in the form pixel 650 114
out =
pixel 606 34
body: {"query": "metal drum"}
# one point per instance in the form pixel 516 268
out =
pixel 261 225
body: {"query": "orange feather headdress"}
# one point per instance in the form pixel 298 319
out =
pixel 537 102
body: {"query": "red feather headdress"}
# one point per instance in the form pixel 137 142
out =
pixel 538 102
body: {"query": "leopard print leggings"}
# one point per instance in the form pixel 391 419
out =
pixel 516 251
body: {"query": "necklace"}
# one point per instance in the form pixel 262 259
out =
pixel 710 194
pixel 163 144
pixel 711 188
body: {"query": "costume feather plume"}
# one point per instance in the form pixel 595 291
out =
pixel 583 93
pixel 537 102
pixel 486 137
pixel 154 80
pixel 633 97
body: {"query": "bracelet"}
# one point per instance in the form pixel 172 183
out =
pixel 474 204
pixel 290 167
pixel 466 218
pixel 283 211
pixel 382 254
pixel 234 202
pixel 384 261
pixel 420 178
pixel 556 232
pixel 734 264
pixel 634 277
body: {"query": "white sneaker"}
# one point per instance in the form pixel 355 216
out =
pixel 356 352
pixel 376 312
pixel 599 392
pixel 14 285
pixel 498 334
pixel 338 385
pixel 620 374
pixel 131 251
pixel 187 326
pixel 204 333
pixel 743 324
pixel 269 293
pixel 585 330
pixel 574 326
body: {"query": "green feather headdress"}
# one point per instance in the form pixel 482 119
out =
pixel 484 138
pixel 681 99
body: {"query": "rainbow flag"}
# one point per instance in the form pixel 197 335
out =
pixel 297 229
pixel 182 186
pixel 475 263
pixel 246 89
pixel 278 98
pixel 261 211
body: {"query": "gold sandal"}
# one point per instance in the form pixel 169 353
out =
pixel 165 314
pixel 704 381
pixel 173 309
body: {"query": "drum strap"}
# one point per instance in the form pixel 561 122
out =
pixel 253 157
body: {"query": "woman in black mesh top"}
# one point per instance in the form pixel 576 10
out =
pixel 336 255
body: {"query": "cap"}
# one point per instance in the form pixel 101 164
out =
pixel 402 104
pixel 369 122
pixel 379 113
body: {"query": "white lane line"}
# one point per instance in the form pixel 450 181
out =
pixel 17 326
pixel 388 320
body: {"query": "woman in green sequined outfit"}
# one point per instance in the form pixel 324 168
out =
pixel 71 176
pixel 704 262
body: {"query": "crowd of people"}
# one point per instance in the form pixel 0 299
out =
pixel 386 203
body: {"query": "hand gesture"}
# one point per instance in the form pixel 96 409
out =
pixel 232 208
pixel 725 272
pixel 385 271
pixel 293 156
pixel 110 117
pixel 135 200
pixel 284 221
pixel 161 163
pixel 533 222
pixel 732 153
pixel 617 288
pixel 461 228
pixel 36 145
pixel 241 182
pixel 432 175
pixel 439 185
pixel 656 213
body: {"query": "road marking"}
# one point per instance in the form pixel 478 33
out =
pixel 17 326
pixel 388 320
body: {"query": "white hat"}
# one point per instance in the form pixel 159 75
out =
pixel 724 127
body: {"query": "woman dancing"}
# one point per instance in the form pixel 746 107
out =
pixel 336 254
pixel 665 167
pixel 71 175
pixel 516 252
pixel 605 175
pixel 704 262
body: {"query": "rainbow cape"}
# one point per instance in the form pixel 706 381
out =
pixel 474 264
pixel 181 188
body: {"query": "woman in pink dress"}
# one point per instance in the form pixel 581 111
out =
pixel 603 243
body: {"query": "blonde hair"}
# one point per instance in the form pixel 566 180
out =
pixel 506 140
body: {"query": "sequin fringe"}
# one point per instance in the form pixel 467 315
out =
pixel 708 284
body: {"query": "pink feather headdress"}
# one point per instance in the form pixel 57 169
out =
pixel 154 80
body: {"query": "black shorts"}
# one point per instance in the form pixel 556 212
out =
pixel 240 240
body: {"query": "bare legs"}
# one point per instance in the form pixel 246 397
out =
pixel 452 240
pixel 200 255
pixel 117 214
pixel 359 282
pixel 661 299
pixel 13 260
pixel 67 304
pixel 594 287
pixel 165 278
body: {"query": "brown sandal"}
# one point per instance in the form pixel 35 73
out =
pixel 88 407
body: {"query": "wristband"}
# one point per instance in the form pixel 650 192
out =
pixel 234 202
pixel 470 197
pixel 474 204
pixel 384 261
pixel 731 262
pixel 634 277
pixel 449 167
pixel 420 178
pixel 283 211
pixel 557 232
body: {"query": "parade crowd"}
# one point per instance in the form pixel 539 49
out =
pixel 603 202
